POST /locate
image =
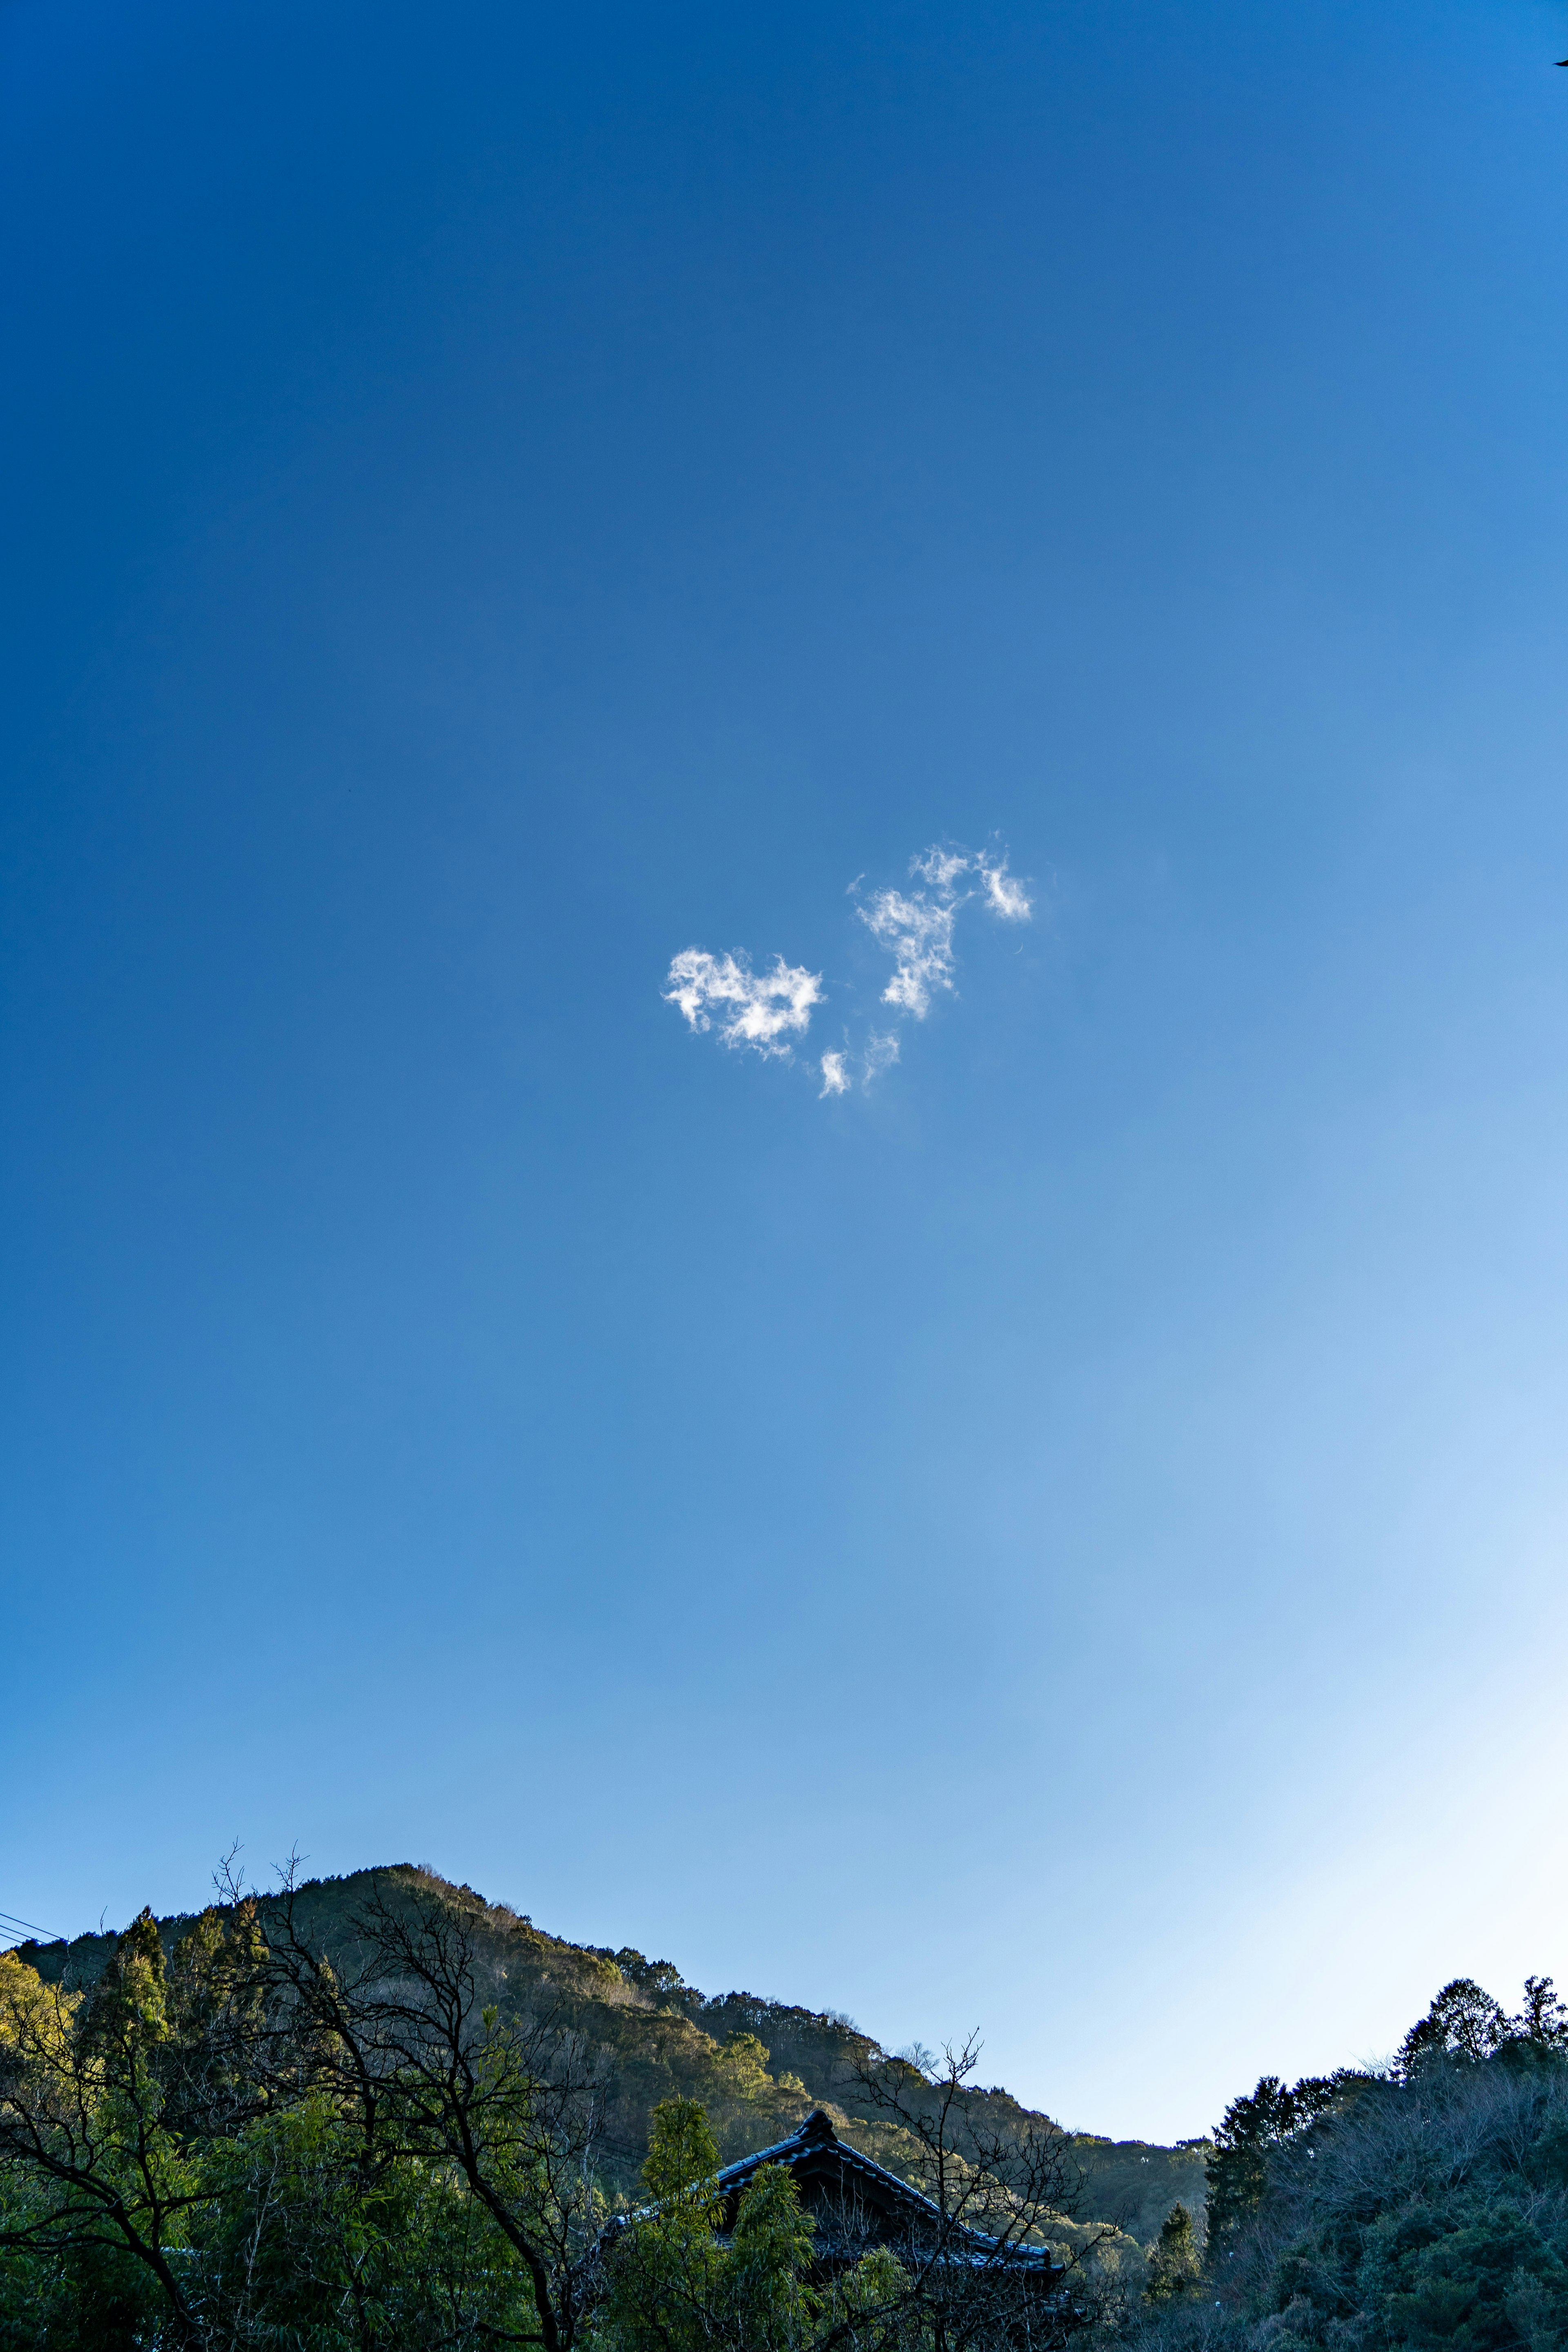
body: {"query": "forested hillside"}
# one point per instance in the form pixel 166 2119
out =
pixel 1423 2204
pixel 758 2065
pixel 379 2115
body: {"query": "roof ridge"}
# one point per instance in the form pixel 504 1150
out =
pixel 805 2139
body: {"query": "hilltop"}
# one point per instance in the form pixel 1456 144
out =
pixel 757 2064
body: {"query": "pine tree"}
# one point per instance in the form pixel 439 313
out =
pixel 1175 2263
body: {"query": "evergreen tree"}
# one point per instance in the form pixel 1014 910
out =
pixel 675 2286
pixel 1254 2128
pixel 1462 2022
pixel 1175 2263
pixel 1544 2019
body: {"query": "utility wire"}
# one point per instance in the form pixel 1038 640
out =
pixel 9 1919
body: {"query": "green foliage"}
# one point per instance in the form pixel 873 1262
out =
pixel 98 2186
pixel 251 2128
pixel 1137 2182
pixel 1253 2131
pixel 1175 2261
pixel 1462 2022
pixel 757 2066
pixel 1426 2207
pixel 305 2242
pixel 128 2002
pixel 1466 2023
pixel 769 2255
pixel 228 2145
pixel 682 2165
pixel 1491 2281
pixel 1462 2239
pixel 101 2300
pixel 871 2306
pixel 676 2285
pixel 196 2150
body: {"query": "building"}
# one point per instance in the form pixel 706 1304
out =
pixel 857 2204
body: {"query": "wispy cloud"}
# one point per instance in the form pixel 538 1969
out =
pixel 752 1008
pixel 1004 896
pixel 917 926
pixel 764 1011
pixel 919 932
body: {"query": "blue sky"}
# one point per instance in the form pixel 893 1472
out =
pixel 1066 1537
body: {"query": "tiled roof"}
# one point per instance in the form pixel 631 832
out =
pixel 818 2148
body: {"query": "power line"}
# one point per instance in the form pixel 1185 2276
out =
pixel 9 1919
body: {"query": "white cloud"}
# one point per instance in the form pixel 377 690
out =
pixel 756 1009
pixel 916 928
pixel 941 867
pixel 764 1010
pixel 919 931
pixel 1004 896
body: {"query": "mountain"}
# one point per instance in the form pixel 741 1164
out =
pixel 758 2065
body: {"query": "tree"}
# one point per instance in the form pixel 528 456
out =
pixel 974 2276
pixel 1543 2020
pixel 1426 2203
pixel 105 2100
pixel 308 2243
pixel 964 2269
pixel 672 2284
pixel 412 2046
pixel 1175 2264
pixel 1426 2209
pixel 1252 2132
pixel 1462 2022
pixel 234 2140
pixel 237 2144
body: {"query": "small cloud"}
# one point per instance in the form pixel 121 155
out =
pixel 756 1009
pixel 940 866
pixel 919 931
pixel 1005 896
pixel 764 1010
pixel 917 926
pixel 881 1052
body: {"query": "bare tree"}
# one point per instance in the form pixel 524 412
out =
pixel 418 2038
pixel 982 2271
pixel 102 2094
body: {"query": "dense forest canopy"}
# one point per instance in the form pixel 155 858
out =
pixel 1423 2204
